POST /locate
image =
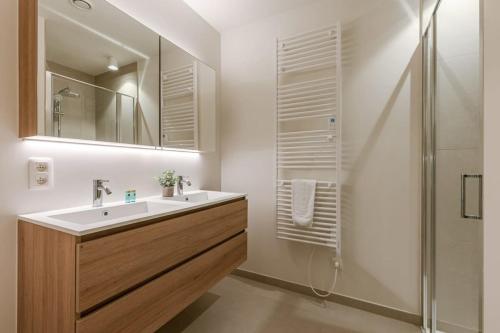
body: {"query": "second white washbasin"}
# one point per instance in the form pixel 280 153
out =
pixel 198 196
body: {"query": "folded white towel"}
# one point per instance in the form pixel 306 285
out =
pixel 303 191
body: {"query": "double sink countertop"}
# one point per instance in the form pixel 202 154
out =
pixel 86 220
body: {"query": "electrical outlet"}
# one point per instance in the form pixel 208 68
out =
pixel 41 173
pixel 42 166
pixel 42 179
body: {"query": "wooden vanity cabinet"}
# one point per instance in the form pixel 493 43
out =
pixel 132 280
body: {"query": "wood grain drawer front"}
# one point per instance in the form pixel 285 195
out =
pixel 110 265
pixel 46 280
pixel 149 307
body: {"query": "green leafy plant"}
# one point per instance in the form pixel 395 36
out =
pixel 167 178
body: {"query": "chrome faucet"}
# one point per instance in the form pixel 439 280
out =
pixel 180 184
pixel 97 192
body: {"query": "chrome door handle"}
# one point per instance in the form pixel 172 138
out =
pixel 463 199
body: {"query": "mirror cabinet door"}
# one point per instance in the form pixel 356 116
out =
pixel 98 72
pixel 188 100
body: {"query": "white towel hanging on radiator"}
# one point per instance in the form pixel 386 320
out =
pixel 303 192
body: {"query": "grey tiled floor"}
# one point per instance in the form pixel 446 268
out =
pixel 239 305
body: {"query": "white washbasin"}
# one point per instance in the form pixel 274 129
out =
pixel 95 215
pixel 197 196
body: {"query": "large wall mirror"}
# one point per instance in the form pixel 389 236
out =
pixel 103 76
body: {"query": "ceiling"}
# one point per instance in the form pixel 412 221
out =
pixel 227 14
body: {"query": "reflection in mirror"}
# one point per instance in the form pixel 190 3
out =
pixel 188 89
pixel 428 7
pixel 97 74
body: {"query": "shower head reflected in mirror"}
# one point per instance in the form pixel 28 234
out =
pixel 66 92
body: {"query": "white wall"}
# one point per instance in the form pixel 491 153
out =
pixel 77 165
pixel 381 214
pixel 491 166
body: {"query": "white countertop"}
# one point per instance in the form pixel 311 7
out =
pixel 157 207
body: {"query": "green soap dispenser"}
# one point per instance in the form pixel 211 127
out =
pixel 130 196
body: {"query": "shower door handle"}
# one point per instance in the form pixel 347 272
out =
pixel 463 199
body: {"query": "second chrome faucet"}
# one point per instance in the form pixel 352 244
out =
pixel 99 187
pixel 180 184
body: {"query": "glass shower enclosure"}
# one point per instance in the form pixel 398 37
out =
pixel 78 109
pixel 452 222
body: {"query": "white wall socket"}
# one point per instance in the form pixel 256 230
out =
pixel 41 166
pixel 41 173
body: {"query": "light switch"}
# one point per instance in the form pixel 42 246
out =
pixel 41 173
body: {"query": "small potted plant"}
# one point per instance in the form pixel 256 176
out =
pixel 167 180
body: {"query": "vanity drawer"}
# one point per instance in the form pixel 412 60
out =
pixel 149 307
pixel 111 265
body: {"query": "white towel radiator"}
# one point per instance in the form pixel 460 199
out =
pixel 308 143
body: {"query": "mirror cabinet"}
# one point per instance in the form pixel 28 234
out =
pixel 88 71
